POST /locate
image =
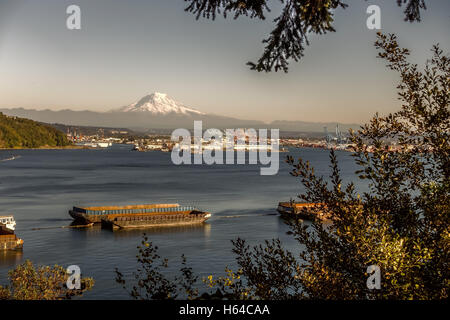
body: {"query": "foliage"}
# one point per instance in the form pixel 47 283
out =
pixel 24 133
pixel 401 224
pixel 151 283
pixel 298 19
pixel 29 282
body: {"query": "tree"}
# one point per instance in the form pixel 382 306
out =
pixel 18 132
pixel 297 20
pixel 151 283
pixel 29 282
pixel 401 225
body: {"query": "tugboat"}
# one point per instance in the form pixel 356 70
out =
pixel 138 216
pixel 8 240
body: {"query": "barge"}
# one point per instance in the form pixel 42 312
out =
pixel 138 216
pixel 303 210
pixel 8 239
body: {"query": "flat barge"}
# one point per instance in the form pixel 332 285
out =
pixel 8 239
pixel 138 216
pixel 303 210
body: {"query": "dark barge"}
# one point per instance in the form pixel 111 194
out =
pixel 138 216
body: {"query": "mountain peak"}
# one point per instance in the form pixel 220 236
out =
pixel 159 103
pixel 159 94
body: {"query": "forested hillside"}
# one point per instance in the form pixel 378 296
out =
pixel 24 133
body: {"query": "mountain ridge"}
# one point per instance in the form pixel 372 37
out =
pixel 159 111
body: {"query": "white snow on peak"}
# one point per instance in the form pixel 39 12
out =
pixel 159 103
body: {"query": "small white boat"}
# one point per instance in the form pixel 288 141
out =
pixel 10 159
pixel 9 222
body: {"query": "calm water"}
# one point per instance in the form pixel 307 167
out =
pixel 40 186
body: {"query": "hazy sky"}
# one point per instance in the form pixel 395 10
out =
pixel 127 49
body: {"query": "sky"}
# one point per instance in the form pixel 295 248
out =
pixel 127 49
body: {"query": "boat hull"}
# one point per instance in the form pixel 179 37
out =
pixel 83 218
pixel 134 222
pixel 10 242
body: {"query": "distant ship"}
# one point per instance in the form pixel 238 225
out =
pixel 96 144
pixel 138 216
pixel 8 240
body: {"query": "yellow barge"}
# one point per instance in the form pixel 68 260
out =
pixel 303 210
pixel 139 216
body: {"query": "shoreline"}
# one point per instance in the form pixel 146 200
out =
pixel 48 148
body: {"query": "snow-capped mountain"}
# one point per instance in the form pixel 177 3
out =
pixel 158 111
pixel 160 104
